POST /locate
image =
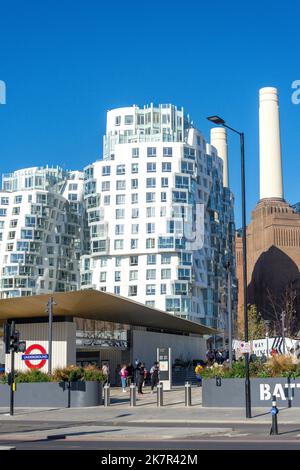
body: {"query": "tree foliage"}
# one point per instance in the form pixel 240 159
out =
pixel 256 325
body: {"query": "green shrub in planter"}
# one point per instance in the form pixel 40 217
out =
pixel 68 374
pixel 3 378
pixel 93 374
pixel 32 376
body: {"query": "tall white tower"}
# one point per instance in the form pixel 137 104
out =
pixel 218 138
pixel 271 186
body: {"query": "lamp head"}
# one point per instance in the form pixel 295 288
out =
pixel 216 120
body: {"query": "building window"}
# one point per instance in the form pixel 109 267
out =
pixel 151 259
pixel 165 242
pixel 173 305
pixel 151 152
pixel 18 199
pixel 134 260
pixel 133 275
pixel 119 229
pixel 117 276
pixel 167 152
pixel 15 211
pixel 119 244
pixel 128 120
pixel 165 182
pixel 4 201
pixel 163 289
pixel 135 152
pixel 151 182
pixel 120 213
pixel 166 167
pixel 150 289
pixel 134 168
pixel 163 197
pixel 121 185
pixel 150 211
pixel 134 198
pixel 117 290
pixel 134 243
pixel 189 153
pixel 134 213
pixel 120 169
pixel 106 171
pixel 151 167
pixel 163 211
pixel 105 185
pixel 134 184
pixel 187 167
pixel 106 200
pixel 27 234
pixel 150 242
pixel 132 291
pixel 118 260
pixel 150 303
pixel 166 119
pixel 135 228
pixel 3 212
pixel 103 261
pixel 150 228
pixel 150 197
pixel 120 199
pixel 103 277
pixel 166 273
pixel 150 274
pixel 117 120
pixel 30 221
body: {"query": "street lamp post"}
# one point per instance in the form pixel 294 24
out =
pixel 219 121
pixel 283 330
pixel 49 310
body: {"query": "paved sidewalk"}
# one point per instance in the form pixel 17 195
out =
pixel 146 412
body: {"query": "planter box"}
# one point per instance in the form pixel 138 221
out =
pixel 53 394
pixel 231 392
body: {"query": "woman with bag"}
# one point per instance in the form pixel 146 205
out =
pixel 123 374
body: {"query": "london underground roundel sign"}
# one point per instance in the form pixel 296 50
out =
pixel 40 356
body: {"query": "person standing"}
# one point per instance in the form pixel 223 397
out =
pixel 130 375
pixel 105 372
pixel 140 377
pixel 123 374
pixel 154 371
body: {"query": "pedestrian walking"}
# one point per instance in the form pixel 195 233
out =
pixel 105 372
pixel 198 370
pixel 154 371
pixel 123 374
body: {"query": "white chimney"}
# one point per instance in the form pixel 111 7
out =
pixel 269 145
pixel 218 138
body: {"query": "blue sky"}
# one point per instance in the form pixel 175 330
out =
pixel 65 63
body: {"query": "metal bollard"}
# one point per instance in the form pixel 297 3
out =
pixel 132 389
pixel 106 389
pixel 160 396
pixel 274 412
pixel 188 394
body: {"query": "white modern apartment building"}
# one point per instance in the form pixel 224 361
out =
pixel 41 231
pixel 160 217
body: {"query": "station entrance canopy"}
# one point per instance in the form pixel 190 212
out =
pixel 96 305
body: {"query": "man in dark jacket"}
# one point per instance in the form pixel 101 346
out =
pixel 140 371
pixel 154 371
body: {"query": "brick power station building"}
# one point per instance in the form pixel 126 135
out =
pixel 273 235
